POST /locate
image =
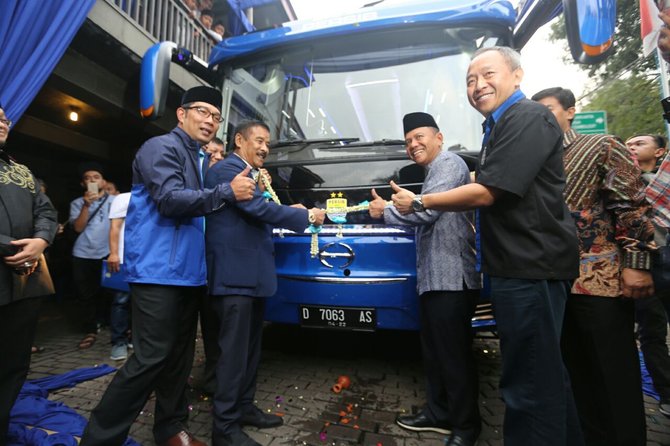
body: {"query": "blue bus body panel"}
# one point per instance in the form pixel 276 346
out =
pixel 447 12
pixel 388 260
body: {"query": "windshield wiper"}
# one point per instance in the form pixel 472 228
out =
pixel 381 142
pixel 290 142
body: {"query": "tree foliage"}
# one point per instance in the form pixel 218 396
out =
pixel 627 44
pixel 632 106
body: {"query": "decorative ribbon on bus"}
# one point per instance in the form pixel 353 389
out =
pixel 337 210
pixel 271 195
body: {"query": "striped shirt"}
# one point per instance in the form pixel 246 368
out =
pixel 605 195
pixel 658 194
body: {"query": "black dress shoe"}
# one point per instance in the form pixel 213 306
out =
pixel 234 439
pixel 421 423
pixel 257 418
pixel 182 438
pixel 457 440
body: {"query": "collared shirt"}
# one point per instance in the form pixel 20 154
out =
pixel 658 194
pixel 93 241
pixel 487 127
pixel 527 233
pixel 445 255
pixel 255 173
pixel 605 195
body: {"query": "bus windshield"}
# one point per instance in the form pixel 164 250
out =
pixel 361 87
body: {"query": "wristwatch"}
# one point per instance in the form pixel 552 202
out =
pixel 311 218
pixel 417 204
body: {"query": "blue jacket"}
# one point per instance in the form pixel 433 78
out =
pixel 164 236
pixel 240 248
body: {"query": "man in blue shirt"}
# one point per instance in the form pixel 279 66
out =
pixel 527 245
pixel 164 255
pixel 89 217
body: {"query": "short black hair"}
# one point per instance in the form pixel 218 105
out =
pixel 244 127
pixel 207 12
pixel 564 96
pixel 217 140
pixel 87 166
pixel 659 140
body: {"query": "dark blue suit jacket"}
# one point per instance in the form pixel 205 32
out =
pixel 239 245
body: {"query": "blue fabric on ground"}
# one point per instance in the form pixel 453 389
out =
pixel 32 408
pixel 647 384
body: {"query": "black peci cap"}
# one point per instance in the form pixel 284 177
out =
pixel 205 94
pixel 415 120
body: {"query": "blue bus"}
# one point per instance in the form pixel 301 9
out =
pixel 333 92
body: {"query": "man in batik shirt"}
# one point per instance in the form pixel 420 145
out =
pixel 605 195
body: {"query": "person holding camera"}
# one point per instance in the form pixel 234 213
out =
pixel 89 217
pixel 27 226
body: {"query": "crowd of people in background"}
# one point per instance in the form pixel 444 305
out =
pixel 203 11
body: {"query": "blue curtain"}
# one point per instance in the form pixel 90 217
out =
pixel 34 34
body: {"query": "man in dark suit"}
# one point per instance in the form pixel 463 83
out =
pixel 27 225
pixel 241 274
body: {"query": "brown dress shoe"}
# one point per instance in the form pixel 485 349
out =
pixel 183 438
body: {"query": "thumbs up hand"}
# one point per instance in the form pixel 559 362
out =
pixel 402 199
pixel 243 186
pixel 377 205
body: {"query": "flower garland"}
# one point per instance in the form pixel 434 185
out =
pixel 270 194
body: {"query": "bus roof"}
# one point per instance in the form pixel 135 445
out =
pixel 417 12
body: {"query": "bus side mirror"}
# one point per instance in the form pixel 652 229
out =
pixel 154 79
pixel 590 26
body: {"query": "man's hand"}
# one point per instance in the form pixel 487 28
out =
pixel 89 197
pixel 636 283
pixel 243 187
pixel 377 205
pixel 30 250
pixel 298 206
pixel 114 263
pixel 402 199
pixel 319 216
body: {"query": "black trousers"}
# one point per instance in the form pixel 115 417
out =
pixel 652 321
pixel 92 301
pixel 18 321
pixel 164 324
pixel 209 327
pixel 539 406
pixel 240 338
pixel 451 373
pixel 601 356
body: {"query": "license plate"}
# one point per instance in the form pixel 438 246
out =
pixel 364 319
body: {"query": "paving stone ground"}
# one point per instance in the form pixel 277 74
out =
pixel 297 371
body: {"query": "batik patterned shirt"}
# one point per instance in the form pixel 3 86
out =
pixel 605 195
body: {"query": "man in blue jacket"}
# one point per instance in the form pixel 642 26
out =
pixel 165 262
pixel 241 274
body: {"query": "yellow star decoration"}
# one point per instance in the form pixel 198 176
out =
pixel 333 195
pixel 340 195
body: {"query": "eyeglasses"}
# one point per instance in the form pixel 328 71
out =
pixel 202 111
pixel 8 123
